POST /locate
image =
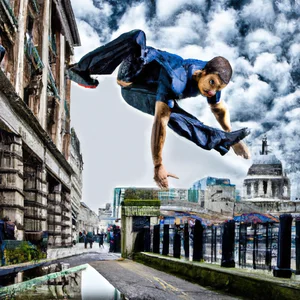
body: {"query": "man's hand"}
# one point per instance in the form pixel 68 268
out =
pixel 241 149
pixel 161 176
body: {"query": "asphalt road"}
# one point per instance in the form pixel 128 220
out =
pixel 139 282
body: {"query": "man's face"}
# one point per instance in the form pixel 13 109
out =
pixel 209 84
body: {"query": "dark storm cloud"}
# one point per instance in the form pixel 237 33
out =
pixel 261 38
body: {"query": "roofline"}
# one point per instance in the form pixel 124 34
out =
pixel 72 22
pixel 68 22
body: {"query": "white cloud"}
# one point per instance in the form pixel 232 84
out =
pixel 89 39
pixel 222 27
pixel 261 41
pixel 87 9
pixel 267 65
pixel 294 53
pixel 285 27
pixel 134 18
pixel 259 13
pixel 166 8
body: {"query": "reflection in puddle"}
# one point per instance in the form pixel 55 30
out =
pixel 87 284
pixel 95 286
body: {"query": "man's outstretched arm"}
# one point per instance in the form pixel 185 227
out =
pixel 159 130
pixel 222 115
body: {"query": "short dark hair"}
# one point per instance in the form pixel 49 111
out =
pixel 221 66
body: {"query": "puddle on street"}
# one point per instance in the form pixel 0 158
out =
pixel 86 284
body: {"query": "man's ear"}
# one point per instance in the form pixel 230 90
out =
pixel 198 73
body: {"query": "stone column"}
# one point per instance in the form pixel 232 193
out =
pixel 261 188
pixel 66 219
pixel 252 190
pixel 35 191
pixel 62 88
pixel 136 215
pixel 45 59
pixel 54 216
pixel 269 189
pixel 20 49
pixel 11 180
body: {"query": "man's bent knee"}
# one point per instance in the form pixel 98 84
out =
pixel 123 83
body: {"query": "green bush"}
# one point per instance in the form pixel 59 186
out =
pixel 23 253
pixel 140 194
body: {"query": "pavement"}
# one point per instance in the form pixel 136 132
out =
pixel 137 281
pixel 78 249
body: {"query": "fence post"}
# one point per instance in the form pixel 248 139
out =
pixel 268 248
pixel 255 245
pixel 198 241
pixel 283 268
pixel 297 242
pixel 242 244
pixel 177 243
pixel 147 239
pixel 156 232
pixel 228 244
pixel 212 243
pixel 166 240
pixel 186 241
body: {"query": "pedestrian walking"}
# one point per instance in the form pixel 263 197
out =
pixel 101 240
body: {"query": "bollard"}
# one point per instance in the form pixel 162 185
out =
pixel 297 242
pixel 228 244
pixel 186 241
pixel 166 240
pixel 156 232
pixel 283 268
pixel 176 244
pixel 198 241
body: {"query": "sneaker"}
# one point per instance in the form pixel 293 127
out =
pixel 82 78
pixel 231 138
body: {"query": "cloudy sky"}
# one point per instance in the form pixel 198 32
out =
pixel 261 39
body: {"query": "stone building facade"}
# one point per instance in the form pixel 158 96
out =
pixel 76 163
pixel 266 178
pixel 87 220
pixel 35 173
pixel 267 188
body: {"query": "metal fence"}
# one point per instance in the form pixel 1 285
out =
pixel 266 246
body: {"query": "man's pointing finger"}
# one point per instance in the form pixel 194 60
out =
pixel 172 175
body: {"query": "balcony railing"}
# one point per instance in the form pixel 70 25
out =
pixel 52 44
pixel 32 52
pixel 35 6
pixel 10 12
pixel 51 81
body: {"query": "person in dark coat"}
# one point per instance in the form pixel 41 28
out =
pixel 101 240
pixel 154 81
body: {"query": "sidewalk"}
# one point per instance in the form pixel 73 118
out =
pixel 60 253
pixel 78 249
